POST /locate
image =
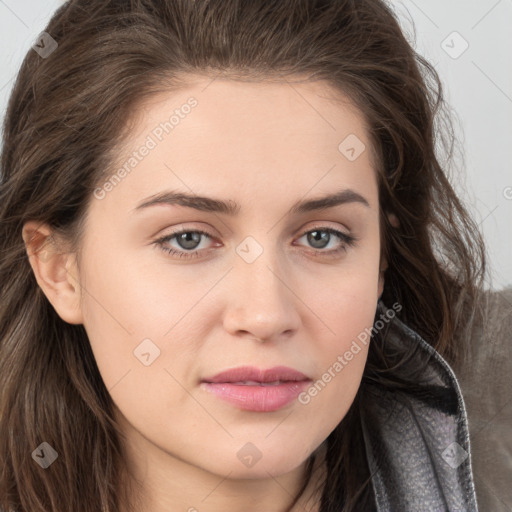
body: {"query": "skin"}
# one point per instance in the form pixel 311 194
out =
pixel 273 144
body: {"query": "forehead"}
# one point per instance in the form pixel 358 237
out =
pixel 215 134
pixel 229 104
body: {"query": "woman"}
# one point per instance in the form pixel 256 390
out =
pixel 234 274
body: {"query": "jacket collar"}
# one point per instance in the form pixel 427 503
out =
pixel 415 429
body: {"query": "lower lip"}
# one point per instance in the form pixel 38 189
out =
pixel 257 398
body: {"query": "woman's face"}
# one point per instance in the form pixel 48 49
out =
pixel 267 286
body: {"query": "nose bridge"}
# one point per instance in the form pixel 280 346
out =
pixel 263 303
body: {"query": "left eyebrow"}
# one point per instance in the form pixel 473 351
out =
pixel 232 208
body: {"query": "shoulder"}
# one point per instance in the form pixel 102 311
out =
pixel 485 379
pixel 491 329
pixel 487 367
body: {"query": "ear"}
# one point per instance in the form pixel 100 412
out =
pixel 393 220
pixel 55 271
pixel 383 267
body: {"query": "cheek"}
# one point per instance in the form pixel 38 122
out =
pixel 328 398
pixel 121 310
pixel 345 303
pixel 347 312
pixel 144 329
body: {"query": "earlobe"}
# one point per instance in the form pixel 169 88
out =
pixel 393 220
pixel 382 270
pixel 55 271
pixel 381 284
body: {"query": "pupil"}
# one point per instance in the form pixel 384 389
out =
pixel 313 238
pixel 189 240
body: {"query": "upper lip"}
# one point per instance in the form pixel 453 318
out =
pixel 251 373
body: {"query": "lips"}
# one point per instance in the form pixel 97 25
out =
pixel 256 383
pixel 251 389
pixel 249 375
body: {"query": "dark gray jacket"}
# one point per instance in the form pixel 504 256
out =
pixel 419 436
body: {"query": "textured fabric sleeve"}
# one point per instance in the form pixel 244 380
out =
pixel 486 384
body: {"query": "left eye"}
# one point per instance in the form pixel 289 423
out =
pixel 190 239
pixel 314 236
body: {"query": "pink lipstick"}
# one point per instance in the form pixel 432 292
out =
pixel 252 389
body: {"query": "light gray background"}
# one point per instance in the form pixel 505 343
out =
pixel 478 87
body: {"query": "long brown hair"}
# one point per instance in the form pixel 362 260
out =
pixel 68 112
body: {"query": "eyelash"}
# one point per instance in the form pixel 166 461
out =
pixel 348 241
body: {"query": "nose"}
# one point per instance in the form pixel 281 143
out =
pixel 262 305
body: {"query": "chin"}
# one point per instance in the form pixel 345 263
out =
pixel 251 463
